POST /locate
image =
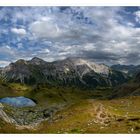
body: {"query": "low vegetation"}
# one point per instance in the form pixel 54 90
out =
pixel 82 111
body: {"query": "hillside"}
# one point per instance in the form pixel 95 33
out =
pixel 70 110
pixel 131 88
pixel 86 117
pixel 131 70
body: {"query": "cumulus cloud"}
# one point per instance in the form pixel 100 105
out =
pixel 137 16
pixel 4 63
pixel 18 31
pixel 45 29
pixel 106 34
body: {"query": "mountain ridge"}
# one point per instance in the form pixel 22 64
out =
pixel 131 70
pixel 70 71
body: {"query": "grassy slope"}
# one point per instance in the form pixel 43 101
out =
pixel 126 89
pixel 80 118
pixel 5 90
pixel 81 115
pixel 11 90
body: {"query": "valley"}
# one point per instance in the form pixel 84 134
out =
pixel 68 96
pixel 82 114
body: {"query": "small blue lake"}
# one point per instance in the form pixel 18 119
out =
pixel 18 101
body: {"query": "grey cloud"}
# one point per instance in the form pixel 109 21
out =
pixel 100 55
pixel 105 39
pixel 132 58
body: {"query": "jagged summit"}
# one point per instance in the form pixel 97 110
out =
pixel 21 61
pixel 70 71
pixel 37 61
pixel 98 68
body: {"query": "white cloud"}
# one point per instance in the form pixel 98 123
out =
pixel 18 31
pixel 54 35
pixel 130 24
pixel 137 16
pixel 44 51
pixel 7 52
pixel 8 47
pixel 20 45
pixel 3 63
pixel 45 29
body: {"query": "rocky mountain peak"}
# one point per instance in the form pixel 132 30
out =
pixel 21 61
pixel 36 61
pixel 71 71
pixel 98 68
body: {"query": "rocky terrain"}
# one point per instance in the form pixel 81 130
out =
pixel 70 96
pixel 87 116
pixel 69 72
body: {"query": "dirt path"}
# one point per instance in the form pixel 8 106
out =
pixel 102 116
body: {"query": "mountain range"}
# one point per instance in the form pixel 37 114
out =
pixel 67 72
pixel 51 87
pixel 131 70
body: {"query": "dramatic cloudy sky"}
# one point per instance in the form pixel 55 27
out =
pixel 107 35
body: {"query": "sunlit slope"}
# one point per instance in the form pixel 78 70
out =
pixel 90 116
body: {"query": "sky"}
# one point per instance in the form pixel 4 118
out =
pixel 109 35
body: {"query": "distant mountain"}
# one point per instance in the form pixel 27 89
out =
pixel 128 89
pixel 69 72
pixel 131 70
